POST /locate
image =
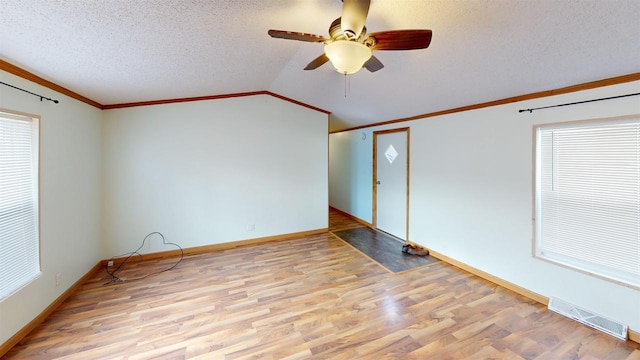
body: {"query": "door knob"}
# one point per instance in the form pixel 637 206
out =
pixel 378 182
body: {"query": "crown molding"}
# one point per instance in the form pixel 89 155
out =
pixel 15 70
pixel 212 97
pixel 12 69
pixel 540 94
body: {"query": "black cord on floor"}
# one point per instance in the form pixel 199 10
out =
pixel 116 279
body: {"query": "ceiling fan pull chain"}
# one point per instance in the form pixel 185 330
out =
pixel 345 85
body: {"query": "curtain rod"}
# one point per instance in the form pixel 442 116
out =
pixel 578 102
pixel 34 94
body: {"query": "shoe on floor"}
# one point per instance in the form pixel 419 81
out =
pixel 405 248
pixel 414 250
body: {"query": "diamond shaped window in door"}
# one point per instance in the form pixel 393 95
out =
pixel 391 154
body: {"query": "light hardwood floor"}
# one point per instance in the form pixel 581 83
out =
pixel 310 297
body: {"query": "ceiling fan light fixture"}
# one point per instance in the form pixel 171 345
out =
pixel 347 57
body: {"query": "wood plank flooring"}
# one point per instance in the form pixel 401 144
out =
pixel 311 297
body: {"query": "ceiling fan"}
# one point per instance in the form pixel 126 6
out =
pixel 349 47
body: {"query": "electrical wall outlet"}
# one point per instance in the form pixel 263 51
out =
pixel 58 279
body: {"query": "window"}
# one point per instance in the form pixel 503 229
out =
pixel 588 197
pixel 19 238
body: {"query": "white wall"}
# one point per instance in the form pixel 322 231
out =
pixel 471 195
pixel 201 172
pixel 70 239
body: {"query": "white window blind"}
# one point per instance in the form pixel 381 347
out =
pixel 19 243
pixel 588 197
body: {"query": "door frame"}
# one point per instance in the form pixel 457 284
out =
pixel 374 203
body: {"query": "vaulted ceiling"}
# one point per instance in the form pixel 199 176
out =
pixel 123 51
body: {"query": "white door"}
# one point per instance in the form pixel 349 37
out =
pixel 390 181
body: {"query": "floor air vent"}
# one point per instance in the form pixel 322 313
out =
pixel 588 318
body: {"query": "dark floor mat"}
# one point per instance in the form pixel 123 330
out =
pixel 383 249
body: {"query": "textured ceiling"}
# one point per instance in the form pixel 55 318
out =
pixel 123 51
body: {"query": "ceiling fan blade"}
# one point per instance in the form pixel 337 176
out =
pixel 401 39
pixel 317 62
pixel 373 64
pixel 293 35
pixel 335 29
pixel 354 15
